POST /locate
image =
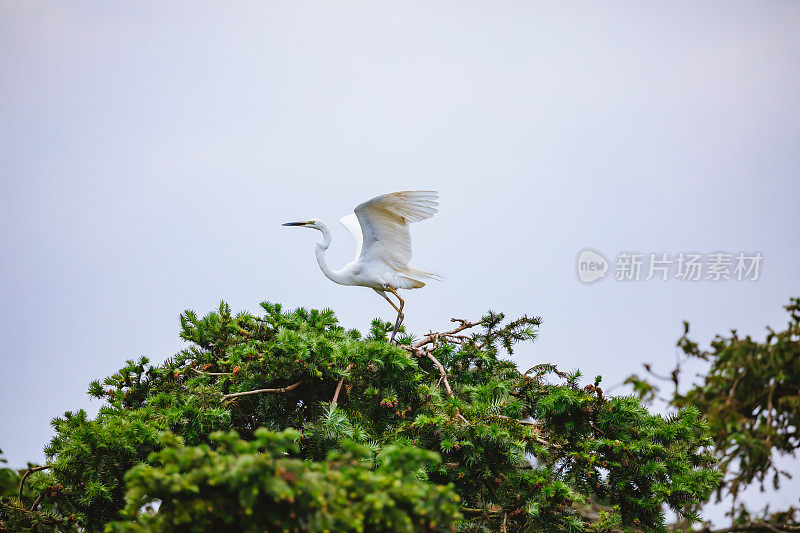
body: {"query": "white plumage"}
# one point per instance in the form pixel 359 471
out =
pixel 383 244
pixel 350 223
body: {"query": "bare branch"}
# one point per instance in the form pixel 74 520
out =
pixel 339 386
pixel 36 501
pixel 259 391
pixel 430 343
pixel 338 390
pixel 533 423
pixel 432 338
pixel 597 429
pixel 523 422
pixel 212 373
pixel 28 472
pixel 487 512
pixel 442 371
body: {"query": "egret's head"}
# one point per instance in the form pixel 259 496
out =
pixel 313 223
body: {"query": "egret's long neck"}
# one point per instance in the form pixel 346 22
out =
pixel 321 247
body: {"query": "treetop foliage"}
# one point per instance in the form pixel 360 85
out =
pixel 750 396
pixel 287 421
pixel 244 485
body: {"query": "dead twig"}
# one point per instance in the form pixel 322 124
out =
pixel 487 512
pixel 36 501
pixel 442 372
pixel 597 429
pixel 212 373
pixel 523 422
pixel 432 338
pixel 430 342
pixel 259 391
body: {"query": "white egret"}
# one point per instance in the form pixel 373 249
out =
pixel 383 245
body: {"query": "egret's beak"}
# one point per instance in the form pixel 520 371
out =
pixel 295 224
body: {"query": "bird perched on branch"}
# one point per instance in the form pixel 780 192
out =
pixel 383 245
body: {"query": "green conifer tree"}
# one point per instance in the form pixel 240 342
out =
pixel 285 421
pixel 750 397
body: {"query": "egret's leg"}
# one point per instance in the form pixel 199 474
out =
pixel 400 315
pixel 383 293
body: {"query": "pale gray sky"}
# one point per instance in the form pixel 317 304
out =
pixel 149 153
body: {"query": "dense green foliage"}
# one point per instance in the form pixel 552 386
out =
pixel 244 485
pixel 521 450
pixel 750 396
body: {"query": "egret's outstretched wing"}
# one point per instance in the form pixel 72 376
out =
pixel 350 223
pixel 384 224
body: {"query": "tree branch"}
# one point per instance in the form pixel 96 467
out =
pixel 487 512
pixel 434 337
pixel 429 343
pixel 212 373
pixel 535 424
pixel 28 472
pixel 523 422
pixel 339 386
pixel 755 526
pixel 36 501
pixel 442 371
pixel 259 391
pixel 338 390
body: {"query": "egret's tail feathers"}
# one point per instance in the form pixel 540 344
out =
pixel 423 274
pixel 409 283
pixel 413 277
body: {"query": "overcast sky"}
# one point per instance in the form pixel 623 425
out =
pixel 150 151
